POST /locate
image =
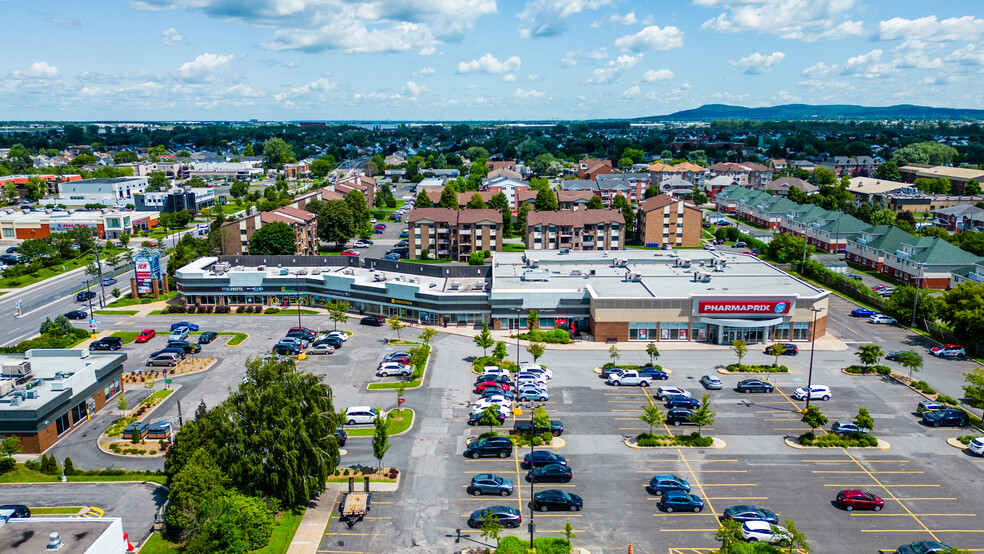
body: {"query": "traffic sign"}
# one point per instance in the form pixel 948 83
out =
pixel 93 322
pixel 167 381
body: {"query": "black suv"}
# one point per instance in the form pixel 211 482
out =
pixel 754 385
pixel 491 446
pixel 84 295
pixel 188 347
pixel 523 428
pixel 954 417
pixel 107 343
pixel 375 320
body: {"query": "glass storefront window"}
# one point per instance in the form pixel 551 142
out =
pixel 801 331
pixel 643 331
pixel 674 331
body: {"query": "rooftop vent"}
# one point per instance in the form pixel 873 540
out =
pixel 54 542
pixel 17 369
pixel 301 271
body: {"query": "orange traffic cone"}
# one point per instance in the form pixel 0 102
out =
pixel 630 549
pixel 129 547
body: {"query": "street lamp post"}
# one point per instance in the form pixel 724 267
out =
pixel 102 287
pixel 90 303
pixel 532 508
pixel 915 302
pixel 297 285
pixel 813 342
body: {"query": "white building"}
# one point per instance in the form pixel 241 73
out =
pixel 116 191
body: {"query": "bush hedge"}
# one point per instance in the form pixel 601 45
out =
pixel 538 440
pixel 543 545
pixel 272 311
pixel 753 368
pixel 923 387
pixel 947 400
pixel 836 441
pixel 693 439
pixel 631 366
pixel 481 363
pixel 48 340
pixel 965 439
pixel 867 370
pixel 557 336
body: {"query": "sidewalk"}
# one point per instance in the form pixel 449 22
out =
pixel 825 343
pixel 318 515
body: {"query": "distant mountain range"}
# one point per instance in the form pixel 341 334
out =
pixel 808 112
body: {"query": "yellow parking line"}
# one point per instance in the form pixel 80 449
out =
pixel 852 461
pixel 731 484
pixel 631 428
pixel 683 514
pixel 855 486
pixel 910 530
pixel 739 498
pixel 625 411
pixel 924 498
pixel 914 515
pixel 850 471
pixel 357 534
pixel 685 460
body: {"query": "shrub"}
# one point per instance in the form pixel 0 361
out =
pixel 835 441
pixel 172 309
pixel 7 464
pixel 223 309
pixel 249 309
pixel 116 448
pixel 923 387
pixel 883 370
pixel 693 439
pixel 240 309
pixel 965 439
pixel 69 466
pixel 272 311
pixel 947 400
pixel 751 368
pixel 543 545
pixel 557 336
pixel 33 465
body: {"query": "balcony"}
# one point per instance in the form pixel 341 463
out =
pixel 465 232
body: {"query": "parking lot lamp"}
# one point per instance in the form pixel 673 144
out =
pixel 91 315
pixel 813 342
pixel 297 287
pixel 532 434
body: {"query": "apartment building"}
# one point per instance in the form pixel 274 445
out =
pixel 907 258
pixel 293 172
pixel 958 176
pixel 667 220
pixel 747 174
pixel 236 234
pixel 590 169
pixel 366 185
pixel 506 185
pixel 690 172
pixel 575 230
pixel 454 234
pixel 631 185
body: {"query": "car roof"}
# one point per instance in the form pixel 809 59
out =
pixel 359 409
pixel 758 524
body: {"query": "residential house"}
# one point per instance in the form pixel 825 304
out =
pixel 495 165
pixel 362 183
pixel 747 174
pixel 715 185
pixel 770 211
pixel 778 164
pixel 506 173
pixel 463 197
pixel 631 185
pixel 831 232
pixel 573 199
pixel 781 186
pixel 591 169
pixel 852 166
pixel 690 172
pixel 236 234
pixel 870 189
pixel 958 218
pixel 677 186
pixel 727 200
pixel 800 218
pixel 667 220
pixel 580 230
pixel 444 232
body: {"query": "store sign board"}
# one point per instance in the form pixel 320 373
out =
pixel 744 307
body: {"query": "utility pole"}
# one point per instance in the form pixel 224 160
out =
pixel 813 343
pixel 915 302
pixel 91 315
pixel 102 289
pixel 532 509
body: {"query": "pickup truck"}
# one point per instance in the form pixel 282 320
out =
pixel 629 377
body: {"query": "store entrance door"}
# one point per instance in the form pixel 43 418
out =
pixel 750 335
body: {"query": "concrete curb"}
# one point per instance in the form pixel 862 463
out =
pixel 791 442
pixel 956 444
pixel 227 345
pixel 423 375
pixel 151 483
pixel 598 370
pixel 724 371
pixel 718 444
pixel 373 487
pixel 413 419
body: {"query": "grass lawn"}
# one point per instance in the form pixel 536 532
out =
pixel 285 525
pixel 512 247
pixel 393 426
pixel 58 511
pixel 21 474
pixel 160 233
pixel 228 209
pixel 115 312
pixel 157 545
pixel 144 299
pixel 127 336
pixel 49 272
pixel 880 276
pixel 157 397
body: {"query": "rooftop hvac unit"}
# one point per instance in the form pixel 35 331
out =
pixel 31 394
pixel 261 268
pixel 17 369
pixel 301 271
pixel 6 386
pixel 284 271
pixel 379 277
pixel 15 401
pixel 348 271
pixel 316 271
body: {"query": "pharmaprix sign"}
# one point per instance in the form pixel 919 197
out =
pixel 744 307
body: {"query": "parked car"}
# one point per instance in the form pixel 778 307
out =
pixel 550 500
pixel 180 324
pixel 287 349
pixel 145 335
pixel 653 373
pixel 341 436
pixel 606 371
pixel 207 337
pixel 507 516
pixel 179 352
pixel 679 416
pixel 928 406
pixel 662 483
pixel 542 458
pixel 167 359
pixel 924 547
pixel 393 368
pixel 360 244
pixel 107 343
pixel 340 335
pixel 665 392
pixel 336 343
pixel 19 510
pixel 358 415
pixel 742 514
pixel 391 257
pixel 180 333
pixel 349 252
pixel 489 370
pixel 711 383
pixel 82 296
pixel 323 348
pixel 299 340
pixel 815 392
pixel 949 417
pixel 492 391
pixel 854 276
pixel 500 379
pixel 976 446
pixel 893 356
pixel 739 244
pixel 681 401
pixel 108 281
pixel 10 259
pixel 374 320
pixel 550 473
pixel 188 347
pixel 488 483
pixel 854 499
pixel 485 385
pixel 754 385
pixel 501 401
pixel 789 349
pixel 680 501
pixel 847 427
pixel 527 367
pixel 489 446
pixel 881 319
pixel 949 351
pixel 530 394
pixel 863 312
pixel 77 314
pixel 474 419
pixel 523 427
pixel 763 531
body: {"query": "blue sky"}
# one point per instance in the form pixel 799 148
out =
pixel 478 59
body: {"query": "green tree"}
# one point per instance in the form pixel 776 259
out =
pixel 929 152
pixel 974 389
pixel 475 152
pixel 122 404
pixel 797 540
pixel 869 354
pixel 634 154
pixel 776 350
pixel 9 446
pixel 423 201
pixel 427 335
pixel 490 418
pixel 323 166
pixel 273 239
pixel 276 153
pixel 69 467
pixel 972 188
pixel 533 320
pixel 620 202
pixel 910 359
pixel 491 528
pixel 786 248
pixel 395 324
pixel 199 480
pixel 625 163
pixel 652 417
pixel 536 349
pixel 595 203
pixel 614 354
pixel 335 222
pixel 238 189
pixel 546 201
pixel 901 302
pixel 356 202
pixel 822 176
pixel 157 181
pixel 476 202
pixel 813 417
pixel 231 522
pixel 962 308
pixel 499 352
pixel 728 534
pixel 703 415
pixel 337 312
pixel 569 532
pixel 449 197
pixel 888 171
pixel 484 339
pixel 380 437
pixel 864 420
pixel 740 348
pixel 698 157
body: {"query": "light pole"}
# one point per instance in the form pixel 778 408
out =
pixel 915 302
pixel 102 288
pixel 91 315
pixel 813 342
pixel 297 285
pixel 532 508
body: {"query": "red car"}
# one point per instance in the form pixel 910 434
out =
pixel 482 385
pixel 399 359
pixel 350 252
pixel 379 226
pixel 851 499
pixel 145 335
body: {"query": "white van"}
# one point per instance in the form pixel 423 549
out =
pixel 360 415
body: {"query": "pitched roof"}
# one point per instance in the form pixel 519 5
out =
pixel 662 200
pixel 960 210
pixel 454 217
pixel 579 184
pixel 938 251
pixel 840 223
pixel 785 183
pixel 289 215
pixel 574 195
pixel 528 195
pixel 504 172
pixel 574 218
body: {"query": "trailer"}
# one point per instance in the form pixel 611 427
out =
pixel 355 505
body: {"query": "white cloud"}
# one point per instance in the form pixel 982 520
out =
pixel 615 19
pixel 509 78
pixel 206 67
pixel 544 18
pixel 729 97
pixel 532 78
pixel 520 93
pixel 312 91
pixel 413 89
pixel 489 64
pixel 654 75
pixel 819 70
pixel 614 69
pixel 969 55
pixel 171 37
pixel 423 72
pixel 573 56
pixel 631 92
pixel 69 23
pixel 806 20
pixel 38 70
pixel 863 60
pixel 929 29
pixel 757 63
pixel 243 90
pixel 652 38
pixel 786 96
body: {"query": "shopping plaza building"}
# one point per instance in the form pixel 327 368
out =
pixel 626 295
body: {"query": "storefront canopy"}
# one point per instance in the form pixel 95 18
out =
pixel 746 323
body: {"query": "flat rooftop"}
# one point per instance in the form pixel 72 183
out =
pixel 646 274
pixel 31 380
pixel 77 535
pixel 62 216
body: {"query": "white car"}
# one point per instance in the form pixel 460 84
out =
pixel 709 247
pixel 373 220
pixel 361 414
pixel 360 244
pixel 882 319
pixel 527 367
pixel 758 530
pixel 501 401
pixel 492 371
pixel 386 369
pixel 340 335
pixel 528 377
pixel 977 446
pixel 322 349
pixel 817 392
pixel 665 392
